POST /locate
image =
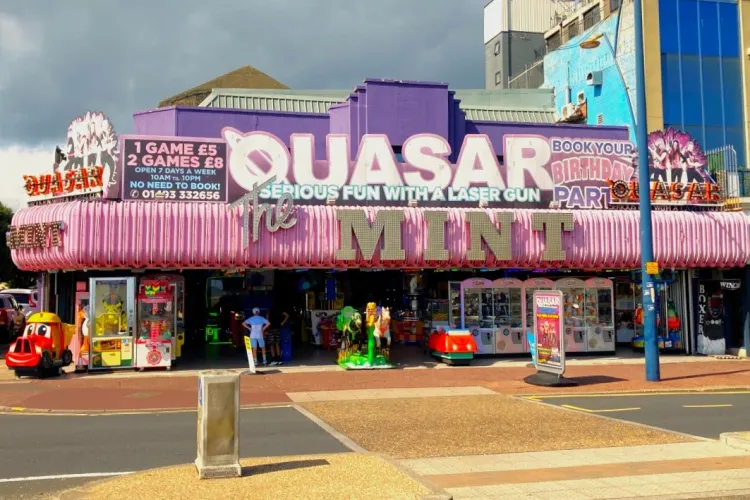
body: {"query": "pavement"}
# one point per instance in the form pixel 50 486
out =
pixel 64 447
pixel 342 476
pixel 675 471
pixel 149 391
pixel 462 443
pixel 705 414
pixel 403 415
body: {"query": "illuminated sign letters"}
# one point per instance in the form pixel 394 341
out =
pixel 39 235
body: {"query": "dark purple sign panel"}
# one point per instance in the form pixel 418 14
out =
pixel 174 169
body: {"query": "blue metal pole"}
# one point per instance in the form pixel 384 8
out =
pixel 651 344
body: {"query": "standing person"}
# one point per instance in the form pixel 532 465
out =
pixel 274 337
pixel 257 325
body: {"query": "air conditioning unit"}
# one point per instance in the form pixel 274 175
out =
pixel 568 110
pixel 594 78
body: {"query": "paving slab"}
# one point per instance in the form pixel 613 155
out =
pixel 472 425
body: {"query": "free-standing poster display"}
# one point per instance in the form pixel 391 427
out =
pixel 529 287
pixel 548 331
pixel 250 357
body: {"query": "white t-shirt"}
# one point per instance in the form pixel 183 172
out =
pixel 256 324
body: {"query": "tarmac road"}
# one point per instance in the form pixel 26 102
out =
pixel 704 414
pixel 34 446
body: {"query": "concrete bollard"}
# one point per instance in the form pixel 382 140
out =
pixel 218 424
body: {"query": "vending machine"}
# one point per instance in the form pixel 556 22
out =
pixel 157 319
pixel 599 315
pixel 478 312
pixel 574 322
pixel 508 304
pixel 112 319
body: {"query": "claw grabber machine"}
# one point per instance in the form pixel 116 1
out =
pixel 599 313
pixel 574 296
pixel 157 318
pixel 478 314
pixel 509 334
pixel 178 336
pixel 112 314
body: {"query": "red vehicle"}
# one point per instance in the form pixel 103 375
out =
pixel 12 319
pixel 454 347
pixel 43 348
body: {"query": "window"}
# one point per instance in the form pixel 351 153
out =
pixel 397 153
pixel 498 78
pixel 591 17
pixel 572 30
pixel 497 48
pixel 554 41
pixel 614 5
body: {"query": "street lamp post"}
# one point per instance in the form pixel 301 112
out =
pixel 651 343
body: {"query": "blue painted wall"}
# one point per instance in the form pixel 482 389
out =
pixel 569 65
pixel 701 71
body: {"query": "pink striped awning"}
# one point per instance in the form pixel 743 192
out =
pixel 110 235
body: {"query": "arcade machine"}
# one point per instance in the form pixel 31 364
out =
pixel 409 328
pixel 454 304
pixel 112 314
pixel 574 294
pixel 478 312
pixel 221 302
pixel 529 287
pixel 508 306
pixel 157 317
pixel 599 315
pixel 178 282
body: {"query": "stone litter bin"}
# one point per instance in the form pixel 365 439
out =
pixel 218 424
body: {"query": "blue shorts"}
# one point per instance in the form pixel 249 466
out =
pixel 256 343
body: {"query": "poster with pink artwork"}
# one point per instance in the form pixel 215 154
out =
pixel 548 331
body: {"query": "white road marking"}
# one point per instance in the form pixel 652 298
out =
pixel 63 476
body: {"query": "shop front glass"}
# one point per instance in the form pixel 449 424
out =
pixel 669 308
pixel 113 316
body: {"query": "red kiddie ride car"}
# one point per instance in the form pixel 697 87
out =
pixel 43 348
pixel 454 347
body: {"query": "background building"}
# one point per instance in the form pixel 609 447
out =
pixel 694 82
pixel 514 39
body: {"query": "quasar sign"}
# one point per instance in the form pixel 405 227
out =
pixel 87 180
pixel 174 169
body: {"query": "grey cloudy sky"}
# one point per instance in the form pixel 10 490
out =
pixel 60 58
